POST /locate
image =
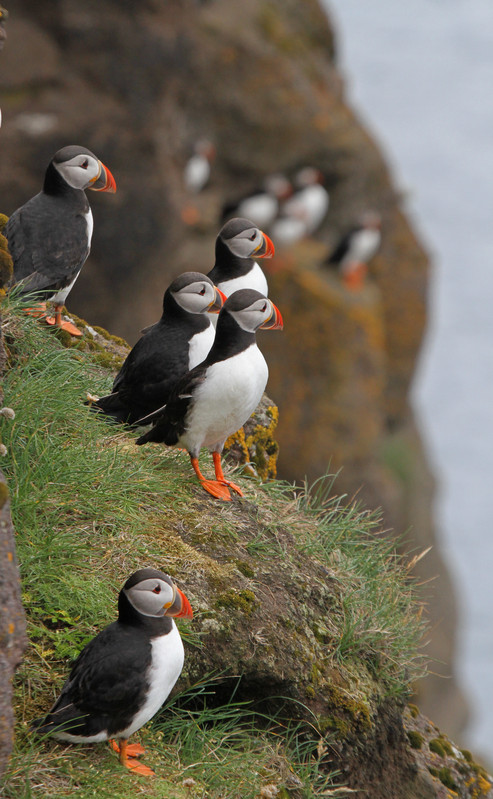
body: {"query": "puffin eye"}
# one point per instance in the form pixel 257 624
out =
pixel 202 291
pixel 157 589
pixel 264 307
pixel 252 237
pixel 85 164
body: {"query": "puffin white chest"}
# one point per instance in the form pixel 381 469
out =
pixel 363 246
pixel 200 345
pixel 260 208
pixel 226 399
pixel 90 227
pixel 166 665
pixel 254 279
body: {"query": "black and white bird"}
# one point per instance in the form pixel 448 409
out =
pixel 303 213
pixel 261 205
pixel 238 244
pixel 123 675
pixel 212 401
pixel 355 249
pixel 197 169
pixel 49 237
pixel 180 340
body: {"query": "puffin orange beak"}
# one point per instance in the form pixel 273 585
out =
pixel 181 607
pixel 105 180
pixel 266 248
pixel 274 322
pixel 219 300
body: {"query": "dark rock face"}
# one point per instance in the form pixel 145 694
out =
pixel 139 84
pixel 12 619
pixel 12 623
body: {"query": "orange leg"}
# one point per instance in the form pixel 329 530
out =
pixel 213 487
pixel 57 321
pixel 134 766
pixel 133 750
pixel 354 278
pixel 216 457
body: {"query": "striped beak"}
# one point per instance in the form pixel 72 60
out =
pixel 219 300
pixel 265 249
pixel 181 607
pixel 105 180
pixel 274 322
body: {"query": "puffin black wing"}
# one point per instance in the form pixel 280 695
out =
pixel 106 686
pixel 341 249
pixel 169 422
pixel 147 376
pixel 48 246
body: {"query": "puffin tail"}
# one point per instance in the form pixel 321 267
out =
pixel 112 406
pixel 42 726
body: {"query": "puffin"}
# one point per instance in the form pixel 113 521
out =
pixel 123 675
pixel 212 401
pixel 197 169
pixel 303 213
pixel 261 205
pixel 196 175
pixel 355 249
pixel 49 237
pixel 238 244
pixel 180 340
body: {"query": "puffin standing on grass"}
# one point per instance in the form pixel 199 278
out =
pixel 238 244
pixel 123 675
pixel 216 398
pixel 351 255
pixel 49 237
pixel 180 340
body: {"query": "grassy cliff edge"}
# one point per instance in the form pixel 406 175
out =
pixel 304 646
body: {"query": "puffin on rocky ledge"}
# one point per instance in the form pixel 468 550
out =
pixel 180 340
pixel 358 246
pixel 238 243
pixel 216 398
pixel 302 213
pixel 123 675
pixel 49 237
pixel 262 204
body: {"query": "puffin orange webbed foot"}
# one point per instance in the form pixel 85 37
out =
pixel 216 489
pixel 233 487
pixel 63 325
pixel 139 768
pixel 132 750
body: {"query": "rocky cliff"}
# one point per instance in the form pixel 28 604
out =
pixel 139 84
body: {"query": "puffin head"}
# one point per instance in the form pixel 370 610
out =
pixel 371 220
pixel 308 176
pixel 81 169
pixel 245 239
pixel 252 311
pixel 153 593
pixel 196 293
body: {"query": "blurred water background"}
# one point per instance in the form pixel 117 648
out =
pixel 421 76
